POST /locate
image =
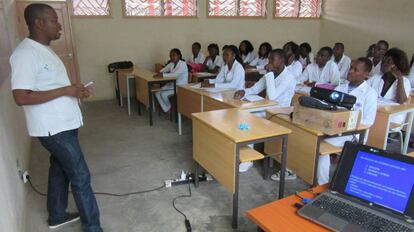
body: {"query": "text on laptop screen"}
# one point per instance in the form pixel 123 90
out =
pixel 381 180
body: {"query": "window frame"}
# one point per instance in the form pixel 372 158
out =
pixel 237 16
pixel 123 6
pixel 306 18
pixel 108 16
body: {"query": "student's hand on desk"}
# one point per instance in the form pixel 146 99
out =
pixel 239 94
pixel 206 84
pixel 310 84
pixel 157 75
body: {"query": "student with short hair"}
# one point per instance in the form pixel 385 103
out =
pixel 176 67
pixel 213 61
pixel 197 57
pixel 370 51
pixel 293 64
pixel 411 74
pixel 323 71
pixel 378 54
pixel 231 75
pixel 342 60
pixel 306 56
pixel 246 52
pixel 366 103
pixel 278 82
pixel 263 57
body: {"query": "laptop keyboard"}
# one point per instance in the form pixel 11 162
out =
pixel 357 216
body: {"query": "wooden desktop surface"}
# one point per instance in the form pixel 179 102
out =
pixel 281 215
pixel 227 122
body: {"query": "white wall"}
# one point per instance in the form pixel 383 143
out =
pixel 14 142
pixel 148 40
pixel 360 23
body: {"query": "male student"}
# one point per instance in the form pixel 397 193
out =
pixel 342 60
pixel 197 57
pixel 379 51
pixel 323 71
pixel 41 85
pixel 278 82
pixel 366 103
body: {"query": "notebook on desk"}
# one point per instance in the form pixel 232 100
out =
pixel 372 190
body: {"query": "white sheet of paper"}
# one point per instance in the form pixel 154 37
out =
pixel 216 90
pixel 252 98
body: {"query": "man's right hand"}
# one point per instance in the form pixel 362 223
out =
pixel 239 94
pixel 77 91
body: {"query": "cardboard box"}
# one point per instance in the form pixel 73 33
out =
pixel 330 122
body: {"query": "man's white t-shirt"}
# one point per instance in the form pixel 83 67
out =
pixel 36 67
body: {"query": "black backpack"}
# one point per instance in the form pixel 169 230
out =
pixel 119 65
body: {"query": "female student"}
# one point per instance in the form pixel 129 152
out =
pixel 366 103
pixel 392 85
pixel 197 57
pixel 213 61
pixel 262 60
pixel 292 52
pixel 246 51
pixel 306 56
pixel 231 76
pixel 411 74
pixel 176 67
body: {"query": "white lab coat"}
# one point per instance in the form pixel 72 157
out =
pixel 376 70
pixel 376 82
pixel 248 58
pixel 366 103
pixel 230 79
pixel 259 63
pixel 343 65
pixel 218 61
pixel 280 89
pixel 304 61
pixel 411 76
pixel 197 60
pixel 328 74
pixel 296 69
pixel 181 72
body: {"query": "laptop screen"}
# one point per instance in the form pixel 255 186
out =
pixel 381 180
pixel 376 177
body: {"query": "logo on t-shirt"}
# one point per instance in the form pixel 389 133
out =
pixel 46 67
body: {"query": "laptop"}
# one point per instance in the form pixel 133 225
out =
pixel 372 190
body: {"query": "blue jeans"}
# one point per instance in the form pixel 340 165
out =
pixel 67 165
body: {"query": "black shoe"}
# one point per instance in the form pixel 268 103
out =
pixel 71 217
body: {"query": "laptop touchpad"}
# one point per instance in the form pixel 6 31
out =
pixel 332 221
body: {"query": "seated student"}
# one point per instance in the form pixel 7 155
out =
pixel 392 86
pixel 197 57
pixel 306 56
pixel 175 68
pixel 411 75
pixel 293 65
pixel 246 51
pixel 342 60
pixel 213 61
pixel 366 103
pixel 279 82
pixel 231 76
pixel 262 60
pixel 323 71
pixel 370 51
pixel 378 54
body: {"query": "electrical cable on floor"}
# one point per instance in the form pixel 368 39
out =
pixel 186 221
pixel 102 193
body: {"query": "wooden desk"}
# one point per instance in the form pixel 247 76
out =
pixel 305 145
pixel 378 133
pixel 219 146
pixel 281 215
pixel 201 76
pixel 193 100
pixel 144 86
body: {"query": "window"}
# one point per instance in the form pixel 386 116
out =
pixel 244 8
pixel 90 7
pixel 298 8
pixel 183 8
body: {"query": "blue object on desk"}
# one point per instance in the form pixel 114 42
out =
pixel 244 126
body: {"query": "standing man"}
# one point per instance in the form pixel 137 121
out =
pixel 41 85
